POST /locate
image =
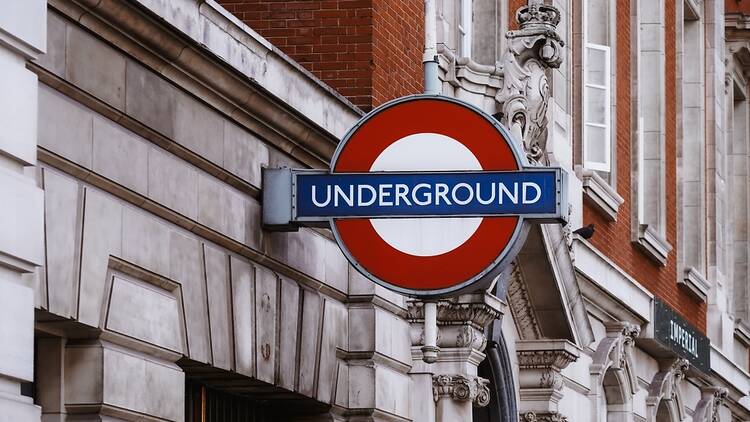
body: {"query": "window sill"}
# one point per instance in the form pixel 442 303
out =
pixel 742 332
pixel 653 244
pixel 694 282
pixel 600 193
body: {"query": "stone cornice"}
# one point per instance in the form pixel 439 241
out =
pixel 198 66
pixel 475 309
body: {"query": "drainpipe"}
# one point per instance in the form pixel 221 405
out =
pixel 432 87
pixel 430 349
pixel 430 56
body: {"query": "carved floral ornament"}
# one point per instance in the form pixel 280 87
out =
pixel 543 417
pixel 461 388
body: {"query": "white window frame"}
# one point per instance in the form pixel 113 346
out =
pixel 606 165
pixel 464 24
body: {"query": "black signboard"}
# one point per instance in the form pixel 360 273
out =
pixel 675 333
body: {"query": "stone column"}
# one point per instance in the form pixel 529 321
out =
pixel 456 388
pixel 22 38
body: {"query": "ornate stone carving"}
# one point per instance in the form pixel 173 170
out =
pixel 665 386
pixel 540 365
pixel 707 409
pixel 521 307
pixel 614 352
pixel 461 388
pixel 525 91
pixel 544 360
pixel 548 364
pixel 477 310
pixel 543 417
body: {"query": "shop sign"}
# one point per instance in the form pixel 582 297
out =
pixel 426 196
pixel 677 334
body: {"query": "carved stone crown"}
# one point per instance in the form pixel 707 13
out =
pixel 538 15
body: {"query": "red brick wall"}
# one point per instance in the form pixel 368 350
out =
pixel 614 238
pixel 370 51
pixel 737 6
pixel 513 6
pixel 398 37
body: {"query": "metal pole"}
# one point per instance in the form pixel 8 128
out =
pixel 430 56
pixel 430 349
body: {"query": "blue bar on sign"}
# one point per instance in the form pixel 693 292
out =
pixel 390 194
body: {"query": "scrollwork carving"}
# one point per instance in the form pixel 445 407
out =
pixel 461 388
pixel 521 307
pixel 525 92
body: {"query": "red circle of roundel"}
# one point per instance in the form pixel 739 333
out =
pixel 381 129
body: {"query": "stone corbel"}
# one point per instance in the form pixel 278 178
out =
pixel 665 387
pixel 461 388
pixel 524 96
pixel 540 379
pixel 615 352
pixel 707 409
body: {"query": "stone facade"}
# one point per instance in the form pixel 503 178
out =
pixel 137 283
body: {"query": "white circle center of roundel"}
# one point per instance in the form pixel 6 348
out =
pixel 426 236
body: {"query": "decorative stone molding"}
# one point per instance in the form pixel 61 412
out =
pixel 461 388
pixel 695 283
pixel 524 95
pixel 665 387
pixel 742 332
pixel 543 417
pixel 615 352
pixel 707 409
pixel 476 309
pixel 599 193
pixel 521 307
pixel 540 380
pixel 541 362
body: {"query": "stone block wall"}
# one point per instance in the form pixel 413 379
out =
pixel 154 252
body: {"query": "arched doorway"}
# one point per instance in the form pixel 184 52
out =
pixel 497 368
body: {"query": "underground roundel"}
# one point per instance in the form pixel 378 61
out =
pixel 426 196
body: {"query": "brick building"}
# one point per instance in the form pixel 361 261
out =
pixel 137 282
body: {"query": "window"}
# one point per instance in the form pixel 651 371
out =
pixel 464 28
pixel 597 92
pixel 691 157
pixel 651 136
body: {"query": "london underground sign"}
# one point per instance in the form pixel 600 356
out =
pixel 426 195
